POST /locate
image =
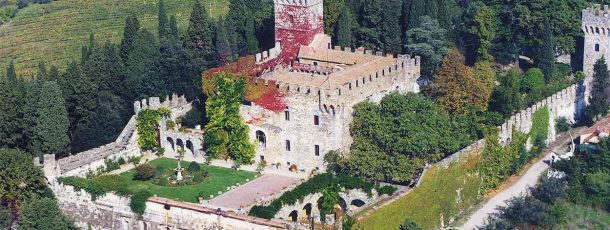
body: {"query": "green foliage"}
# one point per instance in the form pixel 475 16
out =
pixel 408 224
pixel 395 139
pixel 506 98
pixel 598 106
pixel 147 122
pixel 562 125
pixel 386 189
pixel 482 28
pixel 144 172
pixel 344 31
pixel 94 188
pixel 540 125
pixel 111 165
pixel 51 132
pixel 226 132
pixel 498 163
pixel 43 213
pixel 320 182
pixel 138 202
pixel 194 167
pixel 532 81
pixel 6 218
pixel 193 118
pixel 21 180
pixel 546 52
pixel 330 197
pixel 427 41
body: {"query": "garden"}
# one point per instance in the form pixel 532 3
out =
pixel 159 178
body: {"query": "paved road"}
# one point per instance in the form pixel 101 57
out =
pixel 521 186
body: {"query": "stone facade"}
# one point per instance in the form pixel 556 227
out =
pixel 596 27
pixel 320 84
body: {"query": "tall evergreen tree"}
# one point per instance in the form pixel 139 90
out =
pixel 163 23
pixel 418 8
pixel 546 53
pixel 9 110
pixel 132 26
pixel 52 124
pixel 11 74
pixel 53 73
pixel 42 71
pixel 140 77
pixel 344 31
pixel 390 26
pixel 28 111
pixel 223 46
pixel 598 101
pixel 200 33
pixel 251 40
pixel 173 27
pixel 369 34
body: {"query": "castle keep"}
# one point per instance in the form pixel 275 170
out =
pixel 320 84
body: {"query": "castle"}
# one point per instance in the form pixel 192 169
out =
pixel 320 84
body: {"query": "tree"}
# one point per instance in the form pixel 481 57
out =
pixel 427 41
pixel 416 9
pixel 598 101
pixel 6 218
pixel 457 89
pixel 223 46
pixel 390 27
pixel 163 23
pixel 141 81
pixel 176 69
pixel 10 126
pixel 369 35
pixel 43 213
pixel 52 124
pixel 481 28
pixel 408 224
pixel 546 53
pixel 173 28
pixel 22 4
pixel 21 180
pixel 251 40
pixel 199 31
pixel 11 74
pixel 144 172
pixel 132 26
pixel 227 133
pixel 344 28
pixel 507 98
pixel 332 10
pixel 42 71
pixel 533 81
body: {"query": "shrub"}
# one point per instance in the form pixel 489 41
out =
pixel 562 125
pixel 159 171
pixel 533 80
pixel 144 172
pixel 198 178
pixel 111 165
pixel 134 160
pixel 386 189
pixel 193 117
pixel 205 173
pixel 121 161
pixel 138 202
pixel 408 224
pixel 194 167
pixel 170 124
pixel 163 181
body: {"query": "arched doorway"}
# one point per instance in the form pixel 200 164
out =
pixel 180 143
pixel 357 203
pixel 294 216
pixel 171 142
pixel 261 138
pixel 189 146
pixel 308 208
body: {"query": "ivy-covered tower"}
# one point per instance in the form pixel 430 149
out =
pixel 296 23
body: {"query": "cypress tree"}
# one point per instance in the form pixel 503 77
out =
pixel 251 40
pixel 369 34
pixel 546 60
pixel 344 31
pixel 200 34
pixel 163 24
pixel 598 101
pixel 223 46
pixel 418 8
pixel 390 27
pixel 51 131
pixel 132 26
pixel 173 26
pixel 28 109
pixel 11 74
pixel 42 71
pixel 53 73
pixel 9 113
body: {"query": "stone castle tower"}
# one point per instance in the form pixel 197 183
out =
pixel 296 23
pixel 596 27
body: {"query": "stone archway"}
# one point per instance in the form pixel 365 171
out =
pixel 308 208
pixel 189 146
pixel 261 138
pixel 180 143
pixel 171 142
pixel 356 203
pixel 294 216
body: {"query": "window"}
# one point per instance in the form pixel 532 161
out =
pixel 317 147
pixel 315 63
pixel 597 47
pixel 288 145
pixel 261 138
pixel 262 158
pixel 287 115
pixel 291 18
pixel 316 120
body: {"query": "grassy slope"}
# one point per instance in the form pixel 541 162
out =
pixel 435 196
pixel 219 180
pixel 54 32
pixel 580 217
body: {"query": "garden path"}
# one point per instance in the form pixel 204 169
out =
pixel 266 188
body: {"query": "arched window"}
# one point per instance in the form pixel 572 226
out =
pixel 261 138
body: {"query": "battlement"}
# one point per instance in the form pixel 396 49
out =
pixel 155 103
pixel 304 3
pixel 596 19
pixel 271 54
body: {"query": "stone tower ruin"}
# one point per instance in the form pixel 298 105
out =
pixel 596 27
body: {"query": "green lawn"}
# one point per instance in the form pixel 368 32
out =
pixel 219 179
pixel 435 196
pixel 54 32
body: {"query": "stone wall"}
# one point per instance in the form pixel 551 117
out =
pixel 112 212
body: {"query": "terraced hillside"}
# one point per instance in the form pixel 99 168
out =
pixel 54 32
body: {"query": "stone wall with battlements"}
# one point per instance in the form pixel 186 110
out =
pixel 596 27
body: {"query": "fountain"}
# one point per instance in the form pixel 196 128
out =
pixel 179 169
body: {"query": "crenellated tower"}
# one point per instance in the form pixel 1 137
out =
pixel 596 27
pixel 296 23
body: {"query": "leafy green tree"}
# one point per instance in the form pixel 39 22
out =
pixel 507 98
pixel 457 89
pixel 52 123
pixel 227 133
pixel 176 69
pixel 427 41
pixel 598 101
pixel 481 28
pixel 344 31
pixel 21 180
pixel 369 34
pixel 42 71
pixel 53 73
pixel 132 26
pixel 532 81
pixel 395 139
pixel 43 213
